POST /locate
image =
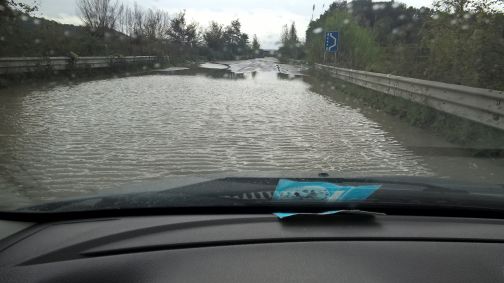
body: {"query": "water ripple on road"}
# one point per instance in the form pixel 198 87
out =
pixel 93 136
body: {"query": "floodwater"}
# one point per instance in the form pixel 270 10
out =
pixel 66 140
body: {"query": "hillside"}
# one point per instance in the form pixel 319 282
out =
pixel 31 36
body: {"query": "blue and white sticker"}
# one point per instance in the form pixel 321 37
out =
pixel 288 190
pixel 283 215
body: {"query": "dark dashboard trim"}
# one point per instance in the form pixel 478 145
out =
pixel 275 241
pixel 389 209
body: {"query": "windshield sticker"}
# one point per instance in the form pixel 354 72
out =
pixel 282 215
pixel 288 190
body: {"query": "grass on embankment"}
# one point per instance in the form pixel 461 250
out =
pixel 482 140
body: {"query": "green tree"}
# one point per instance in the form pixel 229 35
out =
pixel 291 47
pixel 256 46
pixel 232 36
pixel 236 43
pixel 181 33
pixel 465 43
pixel 214 36
pixel 460 7
pixel 458 41
pixel 293 37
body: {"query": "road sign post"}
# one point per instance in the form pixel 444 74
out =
pixel 331 43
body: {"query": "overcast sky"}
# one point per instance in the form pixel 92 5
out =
pixel 262 17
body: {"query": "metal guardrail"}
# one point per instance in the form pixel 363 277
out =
pixel 484 106
pixel 12 65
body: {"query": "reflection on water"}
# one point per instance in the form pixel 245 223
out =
pixel 94 136
pixel 209 73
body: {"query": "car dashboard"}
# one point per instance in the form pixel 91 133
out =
pixel 256 248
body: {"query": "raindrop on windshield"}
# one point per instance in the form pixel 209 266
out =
pixel 317 30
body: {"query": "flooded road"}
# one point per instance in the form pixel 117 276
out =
pixel 67 140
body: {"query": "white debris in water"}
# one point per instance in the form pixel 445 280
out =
pixel 173 69
pixel 213 66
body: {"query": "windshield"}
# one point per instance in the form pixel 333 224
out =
pixel 117 98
